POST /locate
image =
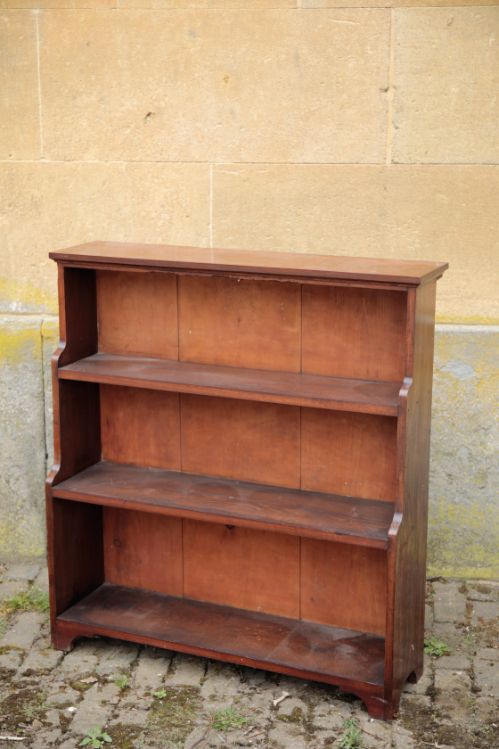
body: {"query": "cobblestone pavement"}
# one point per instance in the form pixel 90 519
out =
pixel 150 699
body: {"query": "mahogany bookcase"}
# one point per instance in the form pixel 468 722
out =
pixel 241 471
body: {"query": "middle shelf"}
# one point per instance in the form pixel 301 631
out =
pixel 351 520
pixel 292 388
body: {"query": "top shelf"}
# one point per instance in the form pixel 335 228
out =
pixel 290 388
pixel 260 264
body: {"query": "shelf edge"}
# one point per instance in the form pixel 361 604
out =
pixel 170 511
pixel 71 373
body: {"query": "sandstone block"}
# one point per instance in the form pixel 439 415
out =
pixel 198 90
pixel 19 102
pixel 446 106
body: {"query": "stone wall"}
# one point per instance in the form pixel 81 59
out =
pixel 321 126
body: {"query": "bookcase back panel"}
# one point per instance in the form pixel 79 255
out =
pixel 349 454
pixel 141 427
pixel 244 323
pixel 137 313
pixel 143 550
pixel 343 585
pixel 240 439
pixel 254 570
pixel 327 451
pixel 354 332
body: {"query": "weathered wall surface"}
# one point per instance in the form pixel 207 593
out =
pixel 365 127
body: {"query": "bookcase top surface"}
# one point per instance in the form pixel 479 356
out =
pixel 254 263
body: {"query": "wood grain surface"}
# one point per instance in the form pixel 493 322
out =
pixel 315 515
pixel 174 257
pixel 315 391
pixel 337 655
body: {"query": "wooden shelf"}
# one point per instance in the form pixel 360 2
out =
pixel 362 522
pixel 315 391
pixel 340 656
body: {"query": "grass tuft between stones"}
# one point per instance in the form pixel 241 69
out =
pixel 96 738
pixel 351 738
pixel 228 719
pixel 435 647
pixel 32 599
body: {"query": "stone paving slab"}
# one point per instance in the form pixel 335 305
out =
pixel 146 698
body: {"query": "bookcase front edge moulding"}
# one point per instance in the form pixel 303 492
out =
pixel 241 459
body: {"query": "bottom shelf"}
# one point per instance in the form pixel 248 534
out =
pixel 330 654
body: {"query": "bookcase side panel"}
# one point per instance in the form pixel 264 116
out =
pixel 76 412
pixel 75 534
pixel 240 323
pixel 248 569
pixel 344 586
pixel 137 313
pixel 77 313
pixel 142 550
pixel 353 332
pixel 408 551
pixel 349 454
pixel 241 440
pixel 75 406
pixel 74 540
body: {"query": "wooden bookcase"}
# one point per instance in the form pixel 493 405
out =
pixel 242 444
